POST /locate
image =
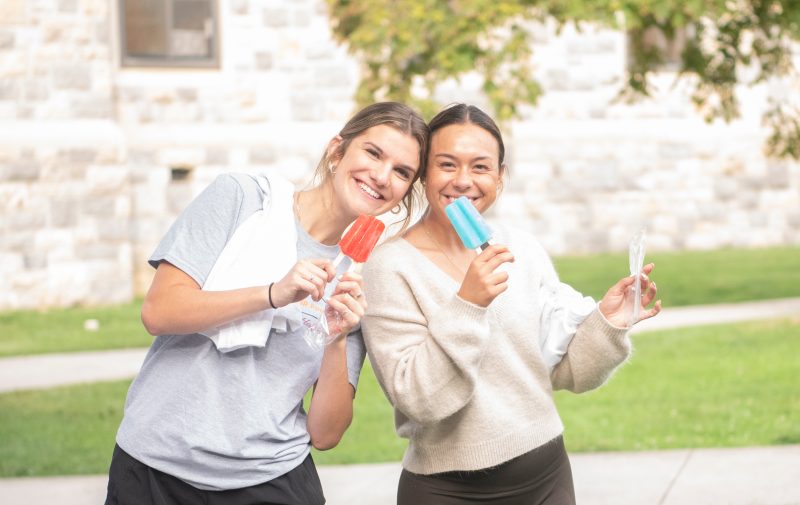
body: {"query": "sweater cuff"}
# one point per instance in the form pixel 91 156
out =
pixel 596 323
pixel 462 319
pixel 468 309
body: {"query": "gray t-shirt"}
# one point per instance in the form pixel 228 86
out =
pixel 225 420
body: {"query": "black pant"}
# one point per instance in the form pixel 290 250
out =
pixel 542 476
pixel 131 482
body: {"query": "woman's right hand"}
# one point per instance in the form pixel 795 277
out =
pixel 482 284
pixel 306 278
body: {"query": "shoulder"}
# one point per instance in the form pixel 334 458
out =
pixel 391 262
pixel 385 256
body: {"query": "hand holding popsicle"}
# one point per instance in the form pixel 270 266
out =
pixel 346 306
pixel 306 278
pixel 482 282
pixel 344 309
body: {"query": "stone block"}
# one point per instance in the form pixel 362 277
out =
pixel 9 89
pixel 186 94
pixel 95 107
pixel 142 157
pixel 34 261
pixel 263 60
pixel 11 263
pixel 239 7
pixel 262 155
pixel 777 176
pixel 276 17
pixel 113 229
pixel 217 156
pixel 107 181
pixel 98 206
pixel 20 171
pixel 97 251
pixel 178 197
pixel 726 188
pixel 306 108
pixel 331 76
pixel 301 19
pixel 181 156
pixel 7 39
pixel 36 90
pixel 110 284
pixel 74 76
pixel 64 211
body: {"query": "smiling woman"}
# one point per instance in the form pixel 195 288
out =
pixel 216 415
pixel 366 174
pixel 469 346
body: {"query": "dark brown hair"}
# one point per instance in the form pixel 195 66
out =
pixel 461 113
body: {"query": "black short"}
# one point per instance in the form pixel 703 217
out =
pixel 131 482
pixel 542 476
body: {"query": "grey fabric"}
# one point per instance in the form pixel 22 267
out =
pixel 225 421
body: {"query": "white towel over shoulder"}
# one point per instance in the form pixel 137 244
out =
pixel 261 250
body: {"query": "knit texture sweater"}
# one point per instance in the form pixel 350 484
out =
pixel 468 384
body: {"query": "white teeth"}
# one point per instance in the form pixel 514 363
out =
pixel 366 189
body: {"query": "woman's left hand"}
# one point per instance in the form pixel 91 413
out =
pixel 617 303
pixel 346 306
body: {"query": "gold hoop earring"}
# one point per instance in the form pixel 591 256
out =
pixel 331 168
pixel 396 210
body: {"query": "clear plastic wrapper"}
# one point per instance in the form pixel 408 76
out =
pixel 325 329
pixel 636 251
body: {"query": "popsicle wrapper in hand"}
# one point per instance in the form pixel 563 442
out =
pixel 636 251
pixel 361 238
pixel 469 224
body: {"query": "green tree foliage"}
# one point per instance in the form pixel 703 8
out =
pixel 408 47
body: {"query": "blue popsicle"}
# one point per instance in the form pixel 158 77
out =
pixel 469 224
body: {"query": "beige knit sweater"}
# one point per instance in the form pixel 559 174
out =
pixel 468 384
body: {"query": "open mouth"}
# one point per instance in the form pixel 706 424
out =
pixel 369 191
pixel 451 199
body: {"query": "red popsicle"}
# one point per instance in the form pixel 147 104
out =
pixel 360 239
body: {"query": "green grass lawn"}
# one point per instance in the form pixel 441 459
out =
pixel 695 277
pixel 61 330
pixel 684 278
pixel 714 386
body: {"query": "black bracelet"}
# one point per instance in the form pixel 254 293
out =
pixel 270 296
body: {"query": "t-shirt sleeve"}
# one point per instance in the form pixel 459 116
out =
pixel 198 236
pixel 356 352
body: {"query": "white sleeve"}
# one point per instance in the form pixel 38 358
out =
pixel 563 310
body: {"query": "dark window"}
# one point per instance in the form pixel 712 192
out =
pixel 169 33
pixel 670 48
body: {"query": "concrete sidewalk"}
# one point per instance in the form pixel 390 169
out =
pixel 749 476
pixel 49 370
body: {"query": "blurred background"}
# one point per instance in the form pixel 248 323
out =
pixel 678 116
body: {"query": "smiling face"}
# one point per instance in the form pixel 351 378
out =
pixel 376 170
pixel 463 161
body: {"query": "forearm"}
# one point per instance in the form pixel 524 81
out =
pixel 429 368
pixel 597 349
pixel 331 409
pixel 175 304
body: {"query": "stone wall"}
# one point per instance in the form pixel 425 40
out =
pixel 97 160
pixel 65 207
